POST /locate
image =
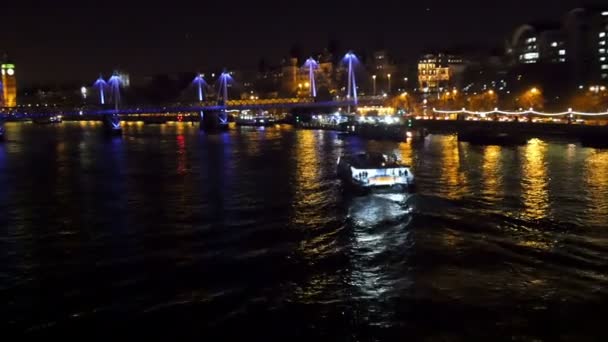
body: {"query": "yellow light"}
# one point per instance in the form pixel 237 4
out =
pixel 454 91
pixel 307 84
pixel 374 76
pixel 534 90
pixel 491 92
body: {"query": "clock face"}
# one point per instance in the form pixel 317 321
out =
pixel 10 72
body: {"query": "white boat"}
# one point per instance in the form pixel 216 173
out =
pixel 375 171
pixel 247 118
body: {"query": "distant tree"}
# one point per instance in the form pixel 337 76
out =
pixel 589 101
pixel 450 100
pixel 403 101
pixel 485 101
pixel 531 98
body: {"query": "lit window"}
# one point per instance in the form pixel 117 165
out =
pixel 604 76
pixel 562 60
pixel 562 52
pixel 604 66
pixel 602 34
pixel 531 56
pixel 554 44
pixel 602 50
pixel 602 42
pixel 602 59
pixel 605 13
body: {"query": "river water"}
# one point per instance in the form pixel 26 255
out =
pixel 247 235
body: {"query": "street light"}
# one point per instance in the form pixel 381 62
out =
pixel 374 84
pixel 534 90
pixel 389 83
pixel 491 92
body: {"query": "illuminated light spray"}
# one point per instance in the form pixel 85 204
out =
pixel 351 91
pixel 101 85
pixel 200 84
pixel 114 82
pixel 224 79
pixel 312 65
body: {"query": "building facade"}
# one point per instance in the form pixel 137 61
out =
pixel 538 43
pixel 439 71
pixel 579 42
pixel 601 34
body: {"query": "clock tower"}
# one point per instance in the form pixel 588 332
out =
pixel 9 85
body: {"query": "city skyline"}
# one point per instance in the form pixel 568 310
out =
pixel 65 42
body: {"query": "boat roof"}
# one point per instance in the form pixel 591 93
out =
pixel 373 161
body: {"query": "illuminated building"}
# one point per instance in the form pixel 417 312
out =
pixel 9 85
pixel 579 42
pixel 125 79
pixel 437 71
pixel 538 43
pixel 587 30
pixel 295 77
pixel 602 45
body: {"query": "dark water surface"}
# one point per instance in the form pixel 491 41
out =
pixel 171 233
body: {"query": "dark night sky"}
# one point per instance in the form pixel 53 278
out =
pixel 74 41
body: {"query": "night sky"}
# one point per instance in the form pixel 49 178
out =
pixel 65 41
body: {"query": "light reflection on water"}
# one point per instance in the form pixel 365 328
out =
pixel 535 181
pixel 492 172
pixel 380 227
pixel 596 183
pixel 452 177
pixel 251 225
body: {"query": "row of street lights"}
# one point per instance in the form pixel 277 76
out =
pixel 388 77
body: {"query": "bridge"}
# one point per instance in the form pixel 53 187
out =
pixel 266 104
pixel 210 113
pixel 113 115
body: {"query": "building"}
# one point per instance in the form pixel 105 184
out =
pixel 600 32
pixel 538 43
pixel 439 71
pixel 125 79
pixel 293 78
pixel 8 85
pixel 579 43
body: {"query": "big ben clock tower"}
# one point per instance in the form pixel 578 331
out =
pixel 9 85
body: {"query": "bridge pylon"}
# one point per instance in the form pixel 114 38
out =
pixel 111 124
